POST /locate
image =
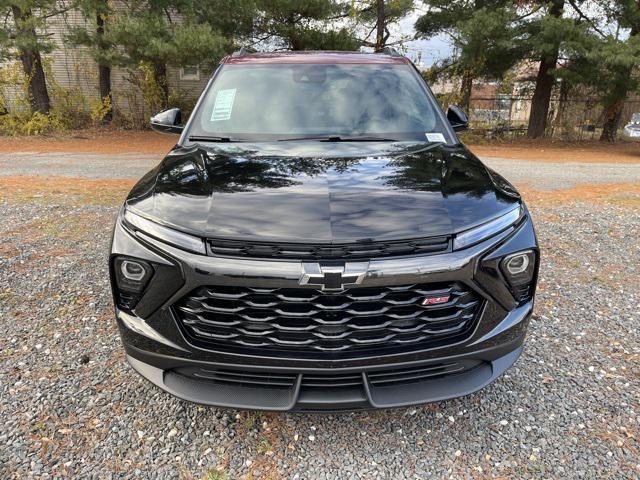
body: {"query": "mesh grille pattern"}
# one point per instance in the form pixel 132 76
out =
pixel 305 319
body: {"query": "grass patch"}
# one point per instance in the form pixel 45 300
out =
pixel 265 446
pixel 214 474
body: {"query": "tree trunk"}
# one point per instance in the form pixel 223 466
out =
pixel 32 63
pixel 160 76
pixel 544 84
pixel 104 72
pixel 541 99
pixel 380 25
pixel 612 115
pixel 465 91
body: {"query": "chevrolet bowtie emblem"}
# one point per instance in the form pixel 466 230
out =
pixel 333 277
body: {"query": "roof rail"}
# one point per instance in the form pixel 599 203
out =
pixel 243 51
pixel 390 51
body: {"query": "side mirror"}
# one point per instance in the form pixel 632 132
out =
pixel 168 121
pixel 457 118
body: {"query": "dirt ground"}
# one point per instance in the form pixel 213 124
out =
pixel 112 141
pixel 546 151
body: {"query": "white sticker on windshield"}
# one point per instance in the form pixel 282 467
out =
pixel 224 104
pixel 435 137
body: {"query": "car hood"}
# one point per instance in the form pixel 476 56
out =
pixel 323 193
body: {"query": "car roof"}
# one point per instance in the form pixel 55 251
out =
pixel 314 57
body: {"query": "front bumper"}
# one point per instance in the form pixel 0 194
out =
pixel 485 365
pixel 157 348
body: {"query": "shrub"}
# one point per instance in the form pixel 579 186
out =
pixel 31 124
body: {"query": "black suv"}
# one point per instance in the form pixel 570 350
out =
pixel 318 239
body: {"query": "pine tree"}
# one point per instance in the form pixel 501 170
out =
pixel 483 33
pixel 23 39
pixel 161 33
pixel 546 40
pixel 94 36
pixel 376 16
pixel 605 60
pixel 617 61
pixel 308 25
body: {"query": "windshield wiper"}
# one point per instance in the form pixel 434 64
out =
pixel 197 138
pixel 340 138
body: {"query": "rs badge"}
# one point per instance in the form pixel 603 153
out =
pixel 435 300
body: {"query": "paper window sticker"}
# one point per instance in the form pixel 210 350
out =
pixel 435 137
pixel 223 105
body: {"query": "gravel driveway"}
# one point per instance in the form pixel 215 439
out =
pixel 541 175
pixel 70 407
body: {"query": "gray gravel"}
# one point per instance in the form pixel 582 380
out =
pixel 542 175
pixel 90 165
pixel 554 176
pixel 70 407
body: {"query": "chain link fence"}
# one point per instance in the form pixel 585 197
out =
pixel 506 116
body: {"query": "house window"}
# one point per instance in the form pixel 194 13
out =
pixel 191 72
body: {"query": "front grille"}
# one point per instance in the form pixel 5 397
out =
pixel 347 251
pixel 308 320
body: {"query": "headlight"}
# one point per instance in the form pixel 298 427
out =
pixel 165 234
pixel 486 230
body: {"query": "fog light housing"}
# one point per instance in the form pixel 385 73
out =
pixel 517 264
pixel 132 271
pixel 132 275
pixel 519 269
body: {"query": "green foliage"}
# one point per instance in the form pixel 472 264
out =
pixel 183 100
pixel 485 42
pixel 394 10
pixel 232 18
pixel 547 33
pixel 27 123
pixel 607 67
pixel 215 475
pixel 101 47
pixel 367 13
pixel 483 33
pixel 99 109
pixel 71 109
pixel 148 36
pixel 606 64
pixel 26 28
pixel 309 25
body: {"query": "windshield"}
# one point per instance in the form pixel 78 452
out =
pixel 276 102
